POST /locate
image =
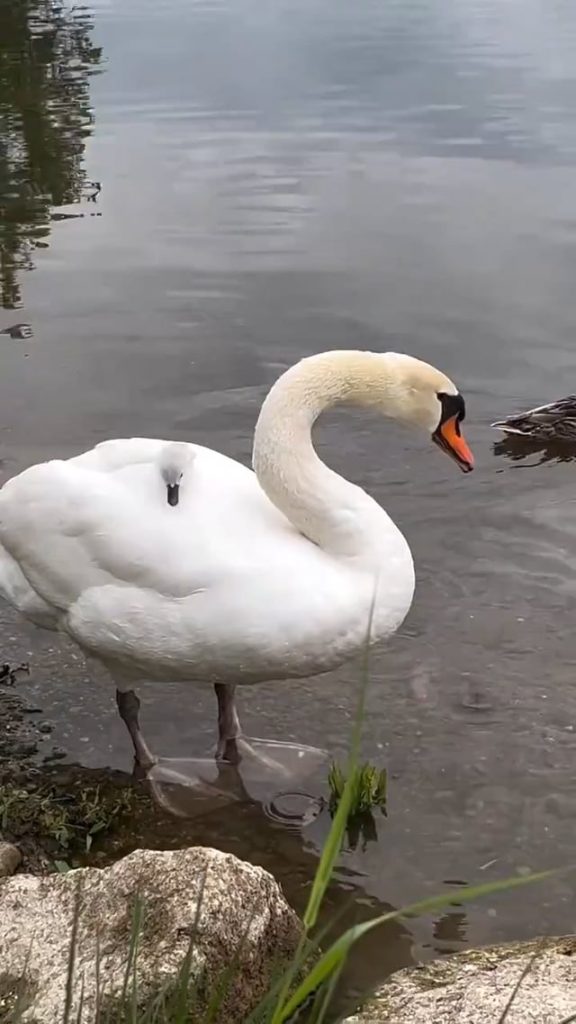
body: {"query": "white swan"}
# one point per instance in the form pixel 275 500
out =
pixel 239 576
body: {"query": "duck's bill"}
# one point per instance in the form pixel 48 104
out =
pixel 449 438
pixel 508 428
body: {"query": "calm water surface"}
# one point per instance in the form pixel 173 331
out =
pixel 275 180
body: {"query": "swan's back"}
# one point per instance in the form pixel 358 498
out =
pixel 102 517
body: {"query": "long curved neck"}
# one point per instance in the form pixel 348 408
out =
pixel 332 512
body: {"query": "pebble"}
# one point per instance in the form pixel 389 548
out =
pixel 45 727
pixel 56 755
pixel 10 858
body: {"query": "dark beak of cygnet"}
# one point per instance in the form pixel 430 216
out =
pixel 173 493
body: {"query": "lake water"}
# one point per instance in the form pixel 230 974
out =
pixel 273 180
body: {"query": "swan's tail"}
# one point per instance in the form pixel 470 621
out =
pixel 16 590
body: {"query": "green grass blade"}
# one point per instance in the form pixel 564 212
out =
pixel 21 995
pixel 182 1008
pixel 307 949
pixel 263 1012
pixel 98 981
pixel 80 1003
pixel 137 915
pixel 320 973
pixel 157 1010
pixel 330 853
pixel 72 952
pixel 333 843
pixel 524 974
pixel 327 996
pixel 322 878
pixel 334 958
pixel 133 1010
pixel 223 985
pixel 179 1014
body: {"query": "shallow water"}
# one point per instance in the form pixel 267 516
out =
pixel 276 181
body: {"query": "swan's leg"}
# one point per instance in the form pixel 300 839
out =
pixel 129 707
pixel 229 729
pixel 239 764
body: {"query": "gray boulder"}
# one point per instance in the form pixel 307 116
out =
pixel 475 987
pixel 242 915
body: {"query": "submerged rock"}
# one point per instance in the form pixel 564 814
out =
pixel 201 900
pixel 475 987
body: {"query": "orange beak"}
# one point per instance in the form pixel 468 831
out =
pixel 449 437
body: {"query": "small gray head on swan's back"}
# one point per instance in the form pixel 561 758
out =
pixel 175 458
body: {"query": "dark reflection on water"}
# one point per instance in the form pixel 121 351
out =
pixel 519 449
pixel 450 932
pixel 46 57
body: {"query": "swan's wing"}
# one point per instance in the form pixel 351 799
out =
pixel 71 527
pixel 50 517
pixel 16 589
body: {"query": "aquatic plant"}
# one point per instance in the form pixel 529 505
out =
pixel 369 793
pixel 369 788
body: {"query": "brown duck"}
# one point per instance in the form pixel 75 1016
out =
pixel 553 422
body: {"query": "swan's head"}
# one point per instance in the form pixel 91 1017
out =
pixel 175 458
pixel 396 385
pixel 424 396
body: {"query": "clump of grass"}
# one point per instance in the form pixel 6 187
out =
pixel 369 788
pixel 70 823
pixel 369 793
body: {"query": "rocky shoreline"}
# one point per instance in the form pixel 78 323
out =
pixel 62 815
pixel 530 982
pixel 57 814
